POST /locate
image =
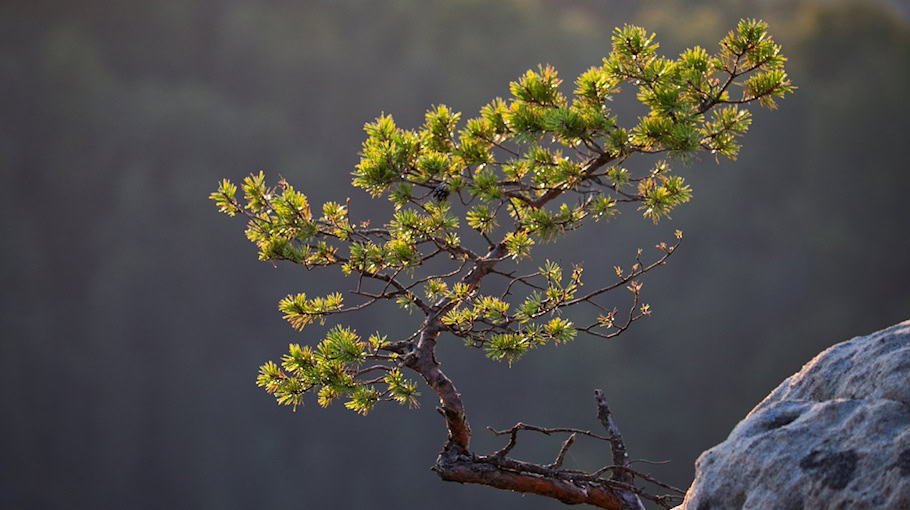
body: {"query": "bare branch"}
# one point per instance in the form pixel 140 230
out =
pixel 372 368
pixel 634 274
pixel 547 431
pixel 620 456
pixel 561 456
pixel 513 435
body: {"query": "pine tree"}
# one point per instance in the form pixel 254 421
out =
pixel 526 170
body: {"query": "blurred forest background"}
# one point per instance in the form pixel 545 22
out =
pixel 134 316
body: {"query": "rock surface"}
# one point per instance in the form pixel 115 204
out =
pixel 835 435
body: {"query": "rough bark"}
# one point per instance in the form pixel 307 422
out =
pixel 617 446
pixel 457 465
pixel 618 449
pixel 423 361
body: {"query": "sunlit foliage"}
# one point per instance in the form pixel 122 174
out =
pixel 525 171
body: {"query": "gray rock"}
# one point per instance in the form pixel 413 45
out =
pixel 835 435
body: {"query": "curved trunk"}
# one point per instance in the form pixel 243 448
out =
pixel 456 463
pixel 423 361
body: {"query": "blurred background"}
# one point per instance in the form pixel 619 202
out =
pixel 134 316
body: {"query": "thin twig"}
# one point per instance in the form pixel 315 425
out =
pixel 561 456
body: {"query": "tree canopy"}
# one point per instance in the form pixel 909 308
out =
pixel 469 203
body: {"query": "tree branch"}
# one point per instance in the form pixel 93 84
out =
pixel 456 465
pixel 618 449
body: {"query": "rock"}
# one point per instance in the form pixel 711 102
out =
pixel 835 435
